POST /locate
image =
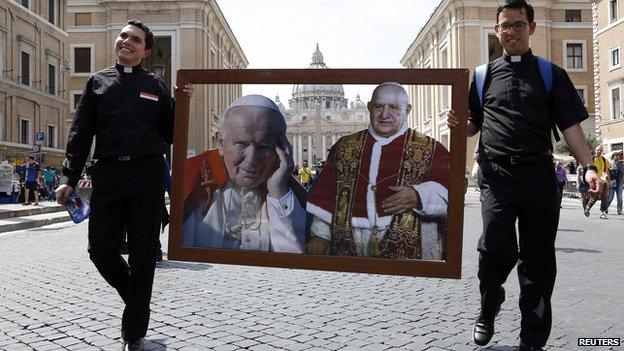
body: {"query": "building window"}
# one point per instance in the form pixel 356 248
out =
pixel 615 103
pixel 75 97
pixel 24 131
pixel 82 19
pixel 51 79
pixel 82 57
pixel 82 60
pixel 581 93
pixel 575 55
pixel 573 15
pixel 495 49
pixel 613 10
pixel 51 136
pixel 617 146
pixel 25 69
pixel 614 57
pixel 25 3
pixel 575 58
pixel 52 11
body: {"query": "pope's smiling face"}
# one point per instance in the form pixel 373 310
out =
pixel 247 145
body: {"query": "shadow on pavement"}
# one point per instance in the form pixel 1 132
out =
pixel 165 264
pixel 155 345
pixel 573 250
pixel 499 348
pixel 48 229
pixel 570 230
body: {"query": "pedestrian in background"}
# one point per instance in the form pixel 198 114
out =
pixel 48 181
pixel 602 168
pixel 15 188
pixel 305 175
pixel 561 179
pixel 131 112
pixel 582 187
pixel 616 172
pixel 517 178
pixel 32 175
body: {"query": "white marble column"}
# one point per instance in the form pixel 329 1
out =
pixel 299 149
pixel 324 145
pixel 333 139
pixel 310 149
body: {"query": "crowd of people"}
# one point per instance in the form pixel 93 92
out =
pixel 611 173
pixel 306 174
pixel 31 182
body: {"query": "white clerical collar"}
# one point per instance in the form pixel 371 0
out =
pixel 515 58
pixel 387 140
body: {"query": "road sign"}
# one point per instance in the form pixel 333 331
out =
pixel 36 148
pixel 39 138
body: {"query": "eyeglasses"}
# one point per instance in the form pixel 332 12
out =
pixel 518 26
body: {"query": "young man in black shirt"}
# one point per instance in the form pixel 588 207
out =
pixel 130 111
pixel 516 176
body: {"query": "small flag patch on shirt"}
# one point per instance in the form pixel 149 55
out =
pixel 148 96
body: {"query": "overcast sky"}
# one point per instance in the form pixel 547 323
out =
pixel 350 33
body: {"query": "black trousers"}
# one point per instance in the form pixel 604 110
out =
pixel 127 194
pixel 526 194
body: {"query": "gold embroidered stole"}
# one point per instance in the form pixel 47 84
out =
pixel 403 237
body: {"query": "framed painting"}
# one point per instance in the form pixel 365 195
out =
pixel 379 199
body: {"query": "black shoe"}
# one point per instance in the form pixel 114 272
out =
pixel 483 330
pixel 525 347
pixel 123 248
pixel 134 345
pixel 159 256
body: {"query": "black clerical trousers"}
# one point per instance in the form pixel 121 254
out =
pixel 127 194
pixel 526 193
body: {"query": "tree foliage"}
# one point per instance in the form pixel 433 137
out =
pixel 561 147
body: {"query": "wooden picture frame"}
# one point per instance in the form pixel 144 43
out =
pixel 448 268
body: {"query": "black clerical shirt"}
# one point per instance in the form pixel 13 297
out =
pixel 130 113
pixel 517 115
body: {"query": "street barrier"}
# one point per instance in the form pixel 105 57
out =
pixel 84 190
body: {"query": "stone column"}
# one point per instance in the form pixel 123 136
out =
pixel 299 149
pixel 324 146
pixel 310 149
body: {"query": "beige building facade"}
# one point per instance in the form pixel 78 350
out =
pixel 34 50
pixel 187 35
pixel 461 34
pixel 609 76
pixel 319 115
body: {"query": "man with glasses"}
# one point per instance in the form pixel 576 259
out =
pixel 515 117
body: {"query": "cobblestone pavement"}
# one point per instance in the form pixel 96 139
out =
pixel 52 298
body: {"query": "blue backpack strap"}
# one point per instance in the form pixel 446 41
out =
pixel 545 68
pixel 480 73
